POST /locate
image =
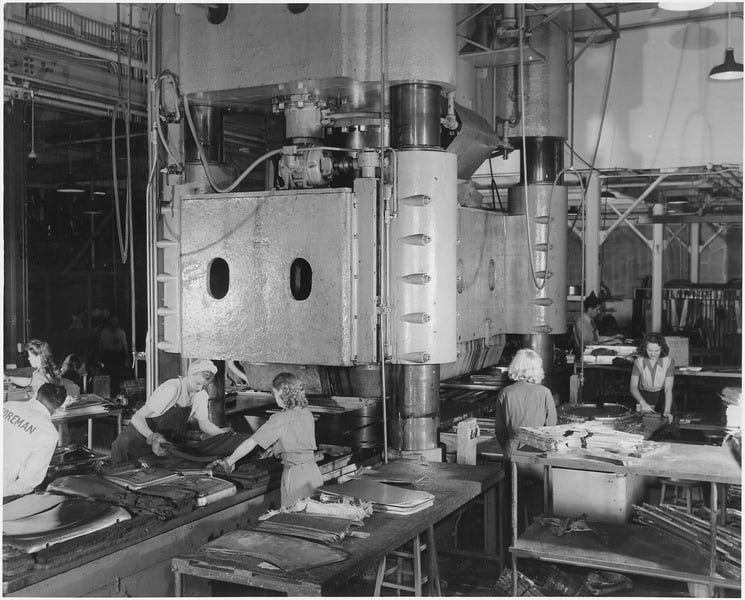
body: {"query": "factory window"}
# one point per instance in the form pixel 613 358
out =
pixel 301 279
pixel 219 278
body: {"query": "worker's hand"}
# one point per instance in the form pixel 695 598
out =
pixel 669 417
pixel 155 440
pixel 228 429
pixel 645 408
pixel 221 464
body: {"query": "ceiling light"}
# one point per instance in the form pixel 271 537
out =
pixel 680 6
pixel 730 69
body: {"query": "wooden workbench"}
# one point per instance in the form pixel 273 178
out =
pixel 645 551
pixel 452 485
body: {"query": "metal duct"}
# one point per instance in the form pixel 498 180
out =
pixel 472 142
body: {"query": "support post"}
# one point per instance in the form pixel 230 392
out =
pixel 658 231
pixel 592 235
pixel 694 248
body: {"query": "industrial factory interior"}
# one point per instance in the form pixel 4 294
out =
pixel 364 299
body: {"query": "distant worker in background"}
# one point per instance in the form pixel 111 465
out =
pixel 113 353
pixel 652 376
pixel 291 435
pixel 165 417
pixel 29 439
pixel 586 328
pixel 73 369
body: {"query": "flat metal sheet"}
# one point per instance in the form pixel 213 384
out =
pixel 82 520
pixel 378 493
pixel 31 504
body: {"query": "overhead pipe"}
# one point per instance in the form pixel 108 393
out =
pixel 65 42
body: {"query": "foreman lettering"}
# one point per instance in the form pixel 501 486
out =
pixel 18 421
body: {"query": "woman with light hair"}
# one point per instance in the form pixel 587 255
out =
pixel 525 403
pixel 291 434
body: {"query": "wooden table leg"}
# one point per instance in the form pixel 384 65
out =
pixel 434 569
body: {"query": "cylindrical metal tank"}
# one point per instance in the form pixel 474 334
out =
pixel 208 125
pixel 544 310
pixel 415 115
pixel 417 405
pixel 424 240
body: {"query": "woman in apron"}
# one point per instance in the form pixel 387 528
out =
pixel 166 414
pixel 291 435
pixel 652 376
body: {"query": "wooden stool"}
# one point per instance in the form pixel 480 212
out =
pixel 409 577
pixel 681 488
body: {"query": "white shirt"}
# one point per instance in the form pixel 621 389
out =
pixel 29 442
pixel 174 393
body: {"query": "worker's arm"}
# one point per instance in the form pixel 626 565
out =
pixel 34 470
pixel 210 428
pixel 610 340
pixel 227 464
pixel 153 438
pixel 634 389
pixel 668 397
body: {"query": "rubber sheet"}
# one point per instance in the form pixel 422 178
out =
pixel 286 553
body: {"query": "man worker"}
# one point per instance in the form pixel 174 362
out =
pixel 30 439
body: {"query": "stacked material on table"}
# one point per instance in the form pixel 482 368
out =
pixel 384 497
pixel 603 354
pixel 695 532
pixel 587 436
pixel 344 508
pixel 326 530
pixel 32 523
pixel 280 551
pixel 82 403
pixel 139 478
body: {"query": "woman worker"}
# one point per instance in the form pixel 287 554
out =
pixel 41 359
pixel 292 435
pixel 652 376
pixel 525 403
pixel 166 414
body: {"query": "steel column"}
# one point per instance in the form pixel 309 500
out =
pixel 658 248
pixel 592 235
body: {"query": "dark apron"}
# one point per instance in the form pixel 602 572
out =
pixel 656 399
pixel 131 444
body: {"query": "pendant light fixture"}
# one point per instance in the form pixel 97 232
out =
pixel 729 69
pixel 70 186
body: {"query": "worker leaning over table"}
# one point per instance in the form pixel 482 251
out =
pixel 652 376
pixel 29 439
pixel 166 415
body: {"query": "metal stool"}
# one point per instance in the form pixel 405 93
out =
pixel 409 577
pixel 681 488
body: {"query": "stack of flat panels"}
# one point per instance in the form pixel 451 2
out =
pixel 326 530
pixel 137 478
pixel 384 498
